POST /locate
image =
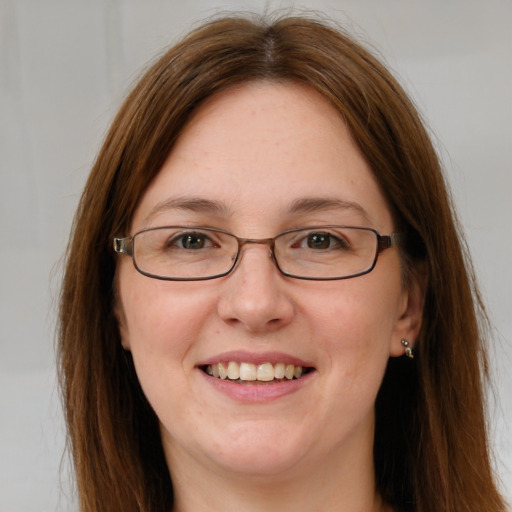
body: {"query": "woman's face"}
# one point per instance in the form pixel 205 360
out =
pixel 256 161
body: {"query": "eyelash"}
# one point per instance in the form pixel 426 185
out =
pixel 179 240
pixel 205 241
pixel 334 240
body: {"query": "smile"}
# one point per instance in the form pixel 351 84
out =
pixel 248 372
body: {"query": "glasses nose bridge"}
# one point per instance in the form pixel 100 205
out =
pixel 242 242
pixel 270 242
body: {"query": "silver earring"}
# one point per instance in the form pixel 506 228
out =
pixel 408 349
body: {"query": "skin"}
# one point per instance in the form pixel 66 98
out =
pixel 253 151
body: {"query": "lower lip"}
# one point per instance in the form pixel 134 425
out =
pixel 257 393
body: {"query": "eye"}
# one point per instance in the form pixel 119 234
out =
pixel 322 241
pixel 191 241
pixel 318 241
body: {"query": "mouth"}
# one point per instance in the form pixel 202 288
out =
pixel 250 373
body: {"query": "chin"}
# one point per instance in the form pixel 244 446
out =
pixel 259 453
pixel 260 466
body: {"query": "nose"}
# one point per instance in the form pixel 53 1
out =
pixel 254 296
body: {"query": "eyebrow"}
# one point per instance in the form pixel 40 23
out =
pixel 298 206
pixel 317 204
pixel 192 204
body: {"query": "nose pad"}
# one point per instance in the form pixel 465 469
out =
pixel 254 295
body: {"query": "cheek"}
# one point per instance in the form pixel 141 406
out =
pixel 163 325
pixel 162 318
pixel 354 326
pixel 356 317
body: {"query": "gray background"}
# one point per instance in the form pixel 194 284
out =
pixel 64 68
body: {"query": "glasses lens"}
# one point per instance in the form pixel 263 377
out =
pixel 184 253
pixel 326 252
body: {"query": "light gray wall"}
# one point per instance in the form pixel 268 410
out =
pixel 64 68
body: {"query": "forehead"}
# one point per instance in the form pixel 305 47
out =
pixel 256 150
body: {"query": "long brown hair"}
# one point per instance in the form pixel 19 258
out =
pixel 431 449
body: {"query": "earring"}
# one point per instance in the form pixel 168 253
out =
pixel 408 349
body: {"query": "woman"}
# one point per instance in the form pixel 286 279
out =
pixel 266 303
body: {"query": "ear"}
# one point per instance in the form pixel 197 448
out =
pixel 410 313
pixel 121 324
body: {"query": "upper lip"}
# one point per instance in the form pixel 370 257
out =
pixel 242 356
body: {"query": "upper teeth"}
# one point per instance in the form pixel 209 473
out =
pixel 249 372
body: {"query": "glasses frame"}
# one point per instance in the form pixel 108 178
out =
pixel 125 245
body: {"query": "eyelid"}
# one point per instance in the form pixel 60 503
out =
pixel 180 236
pixel 208 230
pixel 335 240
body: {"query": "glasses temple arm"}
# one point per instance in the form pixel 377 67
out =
pixel 123 245
pixel 387 241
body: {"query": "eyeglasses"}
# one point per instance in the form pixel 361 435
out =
pixel 321 253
